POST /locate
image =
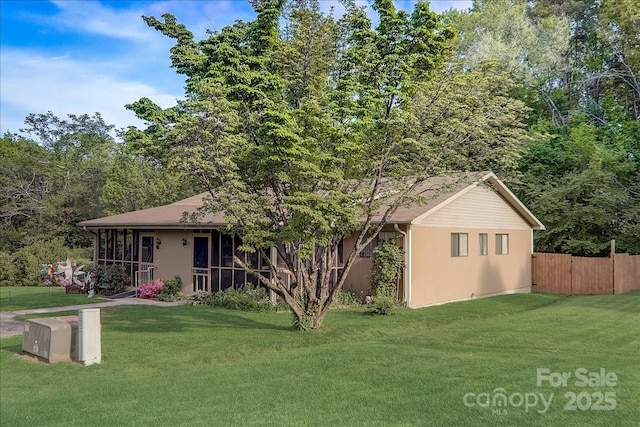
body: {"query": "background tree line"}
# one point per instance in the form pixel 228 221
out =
pixel 66 170
pixel 544 93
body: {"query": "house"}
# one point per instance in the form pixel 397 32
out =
pixel 473 239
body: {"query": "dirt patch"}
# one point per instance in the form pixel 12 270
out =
pixel 10 327
pixel 36 359
pixel 30 357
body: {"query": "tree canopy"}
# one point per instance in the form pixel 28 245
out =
pixel 576 66
pixel 304 133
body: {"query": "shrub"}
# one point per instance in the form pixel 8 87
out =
pixel 387 260
pixel 151 289
pixel 247 298
pixel 384 301
pixel 171 289
pixel 200 298
pixel 346 299
pixel 27 260
pixel 7 270
pixel 109 279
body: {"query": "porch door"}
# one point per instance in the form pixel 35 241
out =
pixel 201 263
pixel 144 268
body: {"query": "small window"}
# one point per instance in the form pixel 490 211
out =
pixel 484 244
pixel 459 244
pixel 367 251
pixel 502 244
pixel 383 236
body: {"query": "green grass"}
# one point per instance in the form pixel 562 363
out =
pixel 24 298
pixel 197 366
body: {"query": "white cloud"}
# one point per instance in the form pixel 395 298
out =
pixel 105 79
pixel 33 83
pixel 94 18
pixel 200 16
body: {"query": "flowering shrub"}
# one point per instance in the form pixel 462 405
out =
pixel 151 289
pixel 73 288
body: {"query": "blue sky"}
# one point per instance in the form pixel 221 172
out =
pixel 78 57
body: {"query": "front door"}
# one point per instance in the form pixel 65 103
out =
pixel 144 270
pixel 201 263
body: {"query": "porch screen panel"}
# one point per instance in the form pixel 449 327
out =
pixel 110 244
pixel 215 280
pixel 102 244
pixel 226 246
pixel 200 252
pixel 238 278
pixel 225 273
pixel 136 245
pixel 227 278
pixel 119 245
pixel 252 280
pixel 215 248
pixel 147 249
pixel 252 259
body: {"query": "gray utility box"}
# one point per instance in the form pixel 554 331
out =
pixel 48 338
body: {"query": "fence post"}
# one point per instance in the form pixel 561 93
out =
pixel 613 265
pixel 570 274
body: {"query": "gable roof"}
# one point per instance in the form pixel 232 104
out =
pixel 437 191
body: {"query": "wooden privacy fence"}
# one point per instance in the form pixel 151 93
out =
pixel 568 274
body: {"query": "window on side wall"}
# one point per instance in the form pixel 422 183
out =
pixel 484 243
pixel 502 244
pixel 383 236
pixel 459 244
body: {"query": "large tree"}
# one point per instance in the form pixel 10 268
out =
pixel 25 183
pixel 134 182
pixel 305 135
pixel 577 63
pixel 53 180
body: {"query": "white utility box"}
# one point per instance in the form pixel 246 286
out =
pixel 89 336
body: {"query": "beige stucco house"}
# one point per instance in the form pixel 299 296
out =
pixel 474 239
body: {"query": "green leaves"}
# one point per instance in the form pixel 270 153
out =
pixel 584 188
pixel 293 133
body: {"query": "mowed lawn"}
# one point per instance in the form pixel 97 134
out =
pixel 24 298
pixel 438 366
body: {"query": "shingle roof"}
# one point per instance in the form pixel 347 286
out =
pixel 436 191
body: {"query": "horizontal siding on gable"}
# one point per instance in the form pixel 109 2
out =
pixel 479 207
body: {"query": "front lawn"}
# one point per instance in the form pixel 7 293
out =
pixel 25 298
pixel 436 366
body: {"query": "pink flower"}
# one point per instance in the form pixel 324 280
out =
pixel 151 289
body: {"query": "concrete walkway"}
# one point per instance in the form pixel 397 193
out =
pixel 10 327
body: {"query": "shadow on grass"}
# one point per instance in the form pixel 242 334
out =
pixel 179 319
pixel 11 348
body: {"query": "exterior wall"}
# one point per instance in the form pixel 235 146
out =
pixel 437 277
pixel 480 207
pixel 358 278
pixel 172 258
